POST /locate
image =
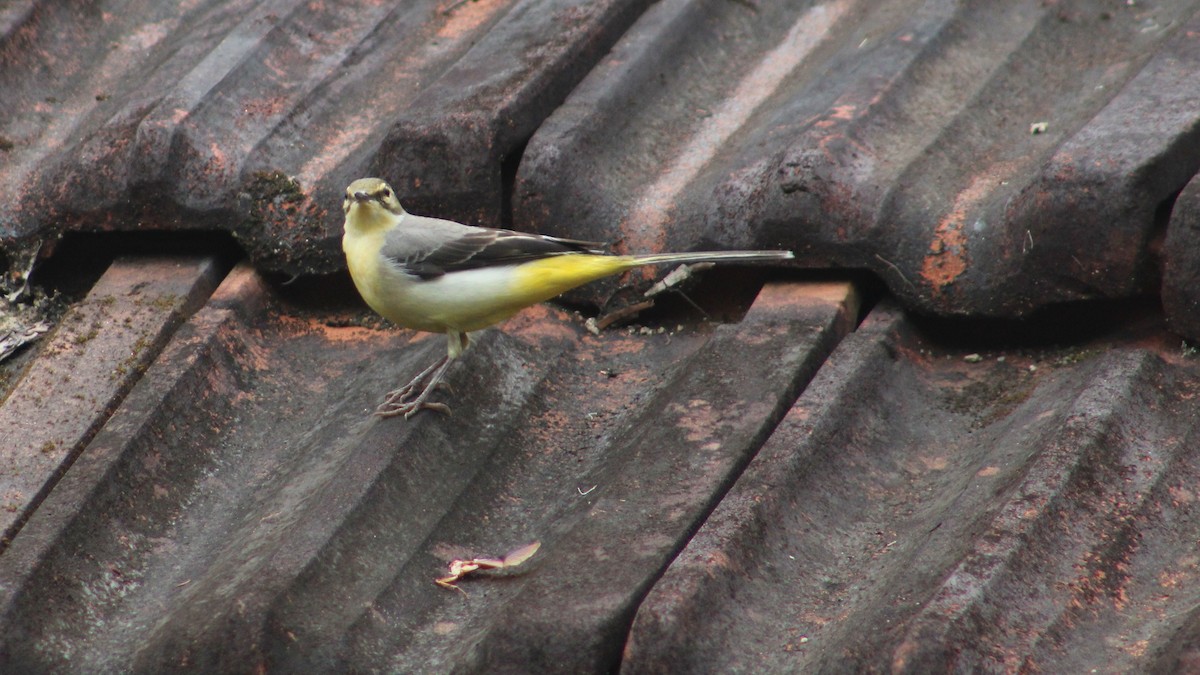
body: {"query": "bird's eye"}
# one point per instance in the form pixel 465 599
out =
pixel 386 194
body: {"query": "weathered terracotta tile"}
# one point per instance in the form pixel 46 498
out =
pixel 96 354
pixel 920 509
pixel 244 483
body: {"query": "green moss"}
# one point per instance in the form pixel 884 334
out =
pixel 166 302
pixel 1188 351
pixel 269 189
pixel 269 197
pixel 1075 356
pixel 131 362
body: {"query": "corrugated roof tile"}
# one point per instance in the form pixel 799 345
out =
pixel 982 158
pixel 917 512
pixel 98 352
pixel 200 506
pixel 253 117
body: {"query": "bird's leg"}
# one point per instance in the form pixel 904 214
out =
pixel 414 396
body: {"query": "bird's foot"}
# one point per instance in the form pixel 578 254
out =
pixel 414 396
pixel 410 408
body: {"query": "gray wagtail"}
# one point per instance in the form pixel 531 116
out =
pixel 444 277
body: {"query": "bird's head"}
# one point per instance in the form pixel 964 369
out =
pixel 371 204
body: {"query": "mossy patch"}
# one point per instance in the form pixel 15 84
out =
pixel 271 192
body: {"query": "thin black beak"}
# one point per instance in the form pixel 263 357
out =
pixel 362 197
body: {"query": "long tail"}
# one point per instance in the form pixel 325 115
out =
pixel 709 256
pixel 545 278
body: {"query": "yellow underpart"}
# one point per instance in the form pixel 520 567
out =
pixel 543 279
pixel 363 260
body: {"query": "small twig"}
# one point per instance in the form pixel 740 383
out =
pixel 680 278
pixel 623 314
pixel 693 304
pixel 896 269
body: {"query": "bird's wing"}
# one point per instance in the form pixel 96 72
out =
pixel 429 248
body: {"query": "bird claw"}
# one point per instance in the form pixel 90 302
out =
pixel 397 397
pixel 413 397
pixel 435 406
pixel 410 408
pixel 408 402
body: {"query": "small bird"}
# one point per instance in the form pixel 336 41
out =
pixel 445 277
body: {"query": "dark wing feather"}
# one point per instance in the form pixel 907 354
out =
pixel 484 247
